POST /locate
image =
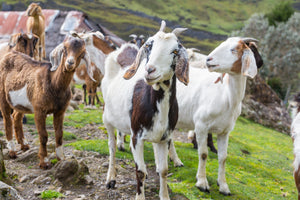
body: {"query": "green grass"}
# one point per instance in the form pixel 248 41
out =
pixel 78 118
pixel 50 194
pixel 264 173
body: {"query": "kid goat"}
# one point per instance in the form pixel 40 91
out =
pixel 29 86
pixel 295 133
pixel 210 106
pixel 145 105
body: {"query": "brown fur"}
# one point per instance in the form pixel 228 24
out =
pixel 48 92
pixel 297 181
pixel 22 43
pixel 36 24
pixel 102 45
pixel 127 56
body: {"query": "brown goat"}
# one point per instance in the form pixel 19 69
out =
pixel 22 42
pixel 36 24
pixel 29 86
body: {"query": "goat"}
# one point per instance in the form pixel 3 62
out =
pixel 36 24
pixel 295 133
pixel 138 40
pixel 21 42
pixel 145 105
pixel 29 86
pixel 24 43
pixel 98 48
pixel 209 107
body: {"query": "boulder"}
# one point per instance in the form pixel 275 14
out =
pixel 262 105
pixel 9 193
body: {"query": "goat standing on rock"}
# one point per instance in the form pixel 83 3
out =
pixel 36 25
pixel 29 86
pixel 210 104
pixel 145 105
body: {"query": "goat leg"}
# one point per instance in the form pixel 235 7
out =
pixel 18 126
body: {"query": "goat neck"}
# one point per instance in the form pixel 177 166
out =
pixel 236 85
pixel 61 78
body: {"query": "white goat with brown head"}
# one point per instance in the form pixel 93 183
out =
pixel 207 106
pixel 29 86
pixel 36 25
pixel 145 106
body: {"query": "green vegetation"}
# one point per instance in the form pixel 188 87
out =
pixel 1 134
pixel 50 194
pixel 259 164
pixel 142 17
pixel 280 13
pixel 69 136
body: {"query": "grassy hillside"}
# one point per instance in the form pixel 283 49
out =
pixel 259 163
pixel 209 21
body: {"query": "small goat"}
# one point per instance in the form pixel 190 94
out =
pixel 21 42
pixel 98 48
pixel 145 105
pixel 29 86
pixel 209 107
pixel 295 133
pixel 36 24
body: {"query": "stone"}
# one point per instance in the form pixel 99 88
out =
pixel 9 193
pixel 24 179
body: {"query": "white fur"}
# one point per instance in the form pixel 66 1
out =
pixel 78 80
pixel 118 93
pixel 11 145
pixel 295 133
pixel 209 107
pixel 60 152
pixel 19 97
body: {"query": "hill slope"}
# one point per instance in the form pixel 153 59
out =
pixel 208 21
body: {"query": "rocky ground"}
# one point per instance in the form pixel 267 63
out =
pixel 29 180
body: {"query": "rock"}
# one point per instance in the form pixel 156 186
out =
pixel 24 179
pixel 71 171
pixel 68 192
pixel 262 105
pixel 38 192
pixel 41 180
pixel 105 164
pixel 29 156
pixel 88 180
pixel 9 193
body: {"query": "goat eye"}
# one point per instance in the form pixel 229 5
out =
pixel 233 50
pixel 175 52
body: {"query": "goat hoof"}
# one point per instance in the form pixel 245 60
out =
pixel 25 147
pixel 203 189
pixel 121 149
pixel 45 165
pixel 225 193
pixel 12 154
pixel 111 184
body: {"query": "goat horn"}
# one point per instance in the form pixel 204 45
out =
pixel 178 31
pixel 195 49
pixel 163 25
pixel 134 36
pixel 247 40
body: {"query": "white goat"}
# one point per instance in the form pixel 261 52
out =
pixel 209 107
pixel 145 105
pixel 295 133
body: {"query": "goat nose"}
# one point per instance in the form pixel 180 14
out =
pixel 209 59
pixel 151 69
pixel 70 61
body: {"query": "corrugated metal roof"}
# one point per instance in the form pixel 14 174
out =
pixel 13 22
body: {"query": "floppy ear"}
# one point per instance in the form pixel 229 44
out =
pixel 134 67
pixel 182 66
pixel 89 69
pixel 56 57
pixel 13 40
pixel 249 67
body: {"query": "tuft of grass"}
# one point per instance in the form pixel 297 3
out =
pixel 1 134
pixel 54 161
pixel 49 194
pixel 69 136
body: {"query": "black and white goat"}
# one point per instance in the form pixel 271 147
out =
pixel 210 106
pixel 145 106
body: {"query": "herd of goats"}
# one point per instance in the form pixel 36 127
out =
pixel 149 89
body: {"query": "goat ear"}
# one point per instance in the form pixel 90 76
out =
pixel 13 41
pixel 56 57
pixel 249 67
pixel 182 66
pixel 134 67
pixel 257 56
pixel 88 65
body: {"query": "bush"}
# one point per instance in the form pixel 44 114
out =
pixel 280 13
pixel 276 84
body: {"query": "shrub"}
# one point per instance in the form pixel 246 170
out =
pixel 280 13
